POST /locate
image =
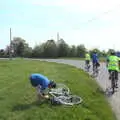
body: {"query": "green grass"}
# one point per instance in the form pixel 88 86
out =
pixel 18 98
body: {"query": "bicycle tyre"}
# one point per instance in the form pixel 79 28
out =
pixel 113 81
pixel 69 100
pixel 61 89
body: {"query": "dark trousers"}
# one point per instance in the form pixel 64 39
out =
pixel 95 65
pixel 87 62
pixel 116 73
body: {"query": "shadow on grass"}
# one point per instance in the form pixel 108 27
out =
pixel 21 107
pixel 107 93
pixel 1 98
pixel 100 90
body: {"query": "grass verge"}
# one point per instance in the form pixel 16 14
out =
pixel 18 98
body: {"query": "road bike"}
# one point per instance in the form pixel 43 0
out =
pixel 62 96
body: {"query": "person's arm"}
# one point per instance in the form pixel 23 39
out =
pixel 43 96
pixel 44 88
pixel 39 91
pixel 40 96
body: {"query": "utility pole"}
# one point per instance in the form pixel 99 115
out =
pixel 10 56
pixel 58 36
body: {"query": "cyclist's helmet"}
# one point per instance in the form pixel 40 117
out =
pixel 94 51
pixel 52 84
pixel 112 52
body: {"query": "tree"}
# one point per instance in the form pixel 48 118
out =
pixel 110 50
pixel 72 51
pixel 27 52
pixel 20 49
pixel 2 52
pixel 19 45
pixel 81 50
pixel 63 48
pixel 103 53
pixel 36 51
pixel 50 49
pixel 7 51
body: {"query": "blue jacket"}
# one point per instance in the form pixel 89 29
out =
pixel 38 79
pixel 95 58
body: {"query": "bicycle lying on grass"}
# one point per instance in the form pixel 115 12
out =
pixel 61 96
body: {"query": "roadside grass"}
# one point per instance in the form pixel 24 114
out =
pixel 18 99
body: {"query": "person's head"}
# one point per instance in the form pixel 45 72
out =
pixel 94 51
pixel 52 84
pixel 112 53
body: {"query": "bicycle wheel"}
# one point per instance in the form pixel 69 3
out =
pixel 95 71
pixel 113 81
pixel 88 67
pixel 69 100
pixel 61 89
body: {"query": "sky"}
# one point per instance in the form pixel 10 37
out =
pixel 94 23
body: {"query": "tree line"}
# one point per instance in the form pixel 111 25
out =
pixel 48 49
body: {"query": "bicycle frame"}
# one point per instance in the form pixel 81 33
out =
pixel 61 95
pixel 95 70
pixel 113 81
pixel 60 90
pixel 67 100
pixel 87 66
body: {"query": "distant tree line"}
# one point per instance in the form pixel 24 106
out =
pixel 48 49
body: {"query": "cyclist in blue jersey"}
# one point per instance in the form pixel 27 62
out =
pixel 95 60
pixel 41 83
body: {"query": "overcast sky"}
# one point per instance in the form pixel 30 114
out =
pixel 77 21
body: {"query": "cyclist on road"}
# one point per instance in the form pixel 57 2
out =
pixel 95 60
pixel 87 60
pixel 113 65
